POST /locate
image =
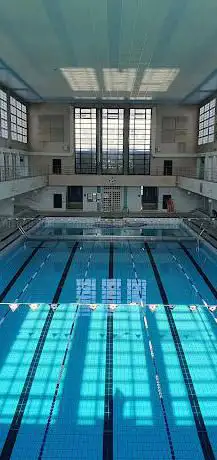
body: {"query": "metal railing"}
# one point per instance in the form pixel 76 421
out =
pixel 12 173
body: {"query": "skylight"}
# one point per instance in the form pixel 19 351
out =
pixel 81 79
pixel 157 80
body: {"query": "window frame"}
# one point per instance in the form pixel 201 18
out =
pixel 89 131
pixel 206 122
pixel 4 128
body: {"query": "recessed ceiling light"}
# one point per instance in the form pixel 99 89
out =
pixel 158 80
pixel 119 80
pixel 81 78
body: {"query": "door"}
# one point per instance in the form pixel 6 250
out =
pixel 57 165
pixel 57 200
pixel 201 168
pixel 165 200
pixel 149 197
pixel 74 197
pixel 168 167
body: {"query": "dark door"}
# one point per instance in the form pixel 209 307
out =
pixel 57 200
pixel 149 197
pixel 168 167
pixel 57 165
pixel 165 200
pixel 74 197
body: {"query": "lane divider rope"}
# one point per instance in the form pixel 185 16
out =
pixel 63 363
pixel 192 284
pixel 152 353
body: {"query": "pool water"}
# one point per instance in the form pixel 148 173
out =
pixel 49 228
pixel 81 383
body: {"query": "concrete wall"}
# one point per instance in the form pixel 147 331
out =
pixel 183 202
pixel 89 205
pixel 200 187
pixel 191 112
pixel 35 142
pixel 91 180
pixel 7 207
pixel 42 200
pixel 45 162
pixel 19 186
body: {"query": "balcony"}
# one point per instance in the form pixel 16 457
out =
pixel 15 181
pixel 66 176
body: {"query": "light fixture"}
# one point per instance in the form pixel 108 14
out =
pixel 119 79
pixel 158 80
pixel 81 78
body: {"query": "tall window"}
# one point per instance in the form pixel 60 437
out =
pixel 112 140
pixel 207 123
pixel 3 115
pixel 18 120
pixel 85 140
pixel 139 141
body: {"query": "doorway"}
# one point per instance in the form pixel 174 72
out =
pixel 149 197
pixel 74 198
pixel 57 166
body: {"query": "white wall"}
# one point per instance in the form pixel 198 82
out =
pixel 134 199
pixel 23 185
pixel 201 187
pixel 42 200
pixel 190 138
pixel 34 135
pixel 7 207
pixel 89 205
pixel 182 201
pixel 91 180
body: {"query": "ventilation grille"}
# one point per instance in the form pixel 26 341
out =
pixel 111 199
pixel 174 129
pixel 51 128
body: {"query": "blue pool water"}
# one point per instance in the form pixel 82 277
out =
pixel 77 383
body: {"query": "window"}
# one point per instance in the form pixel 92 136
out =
pixel 207 123
pixel 18 120
pixel 112 140
pixel 85 140
pixel 139 141
pixel 3 115
pixel 57 200
pixel 168 167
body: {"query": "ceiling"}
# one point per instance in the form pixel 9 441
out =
pixel 161 51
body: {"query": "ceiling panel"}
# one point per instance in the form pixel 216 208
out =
pixel 148 50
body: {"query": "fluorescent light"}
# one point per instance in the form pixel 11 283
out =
pixel 119 80
pixel 81 78
pixel 158 80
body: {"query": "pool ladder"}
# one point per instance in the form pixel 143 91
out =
pixel 199 237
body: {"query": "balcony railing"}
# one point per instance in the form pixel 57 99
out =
pixel 11 173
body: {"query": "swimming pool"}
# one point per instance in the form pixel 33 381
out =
pixel 131 383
